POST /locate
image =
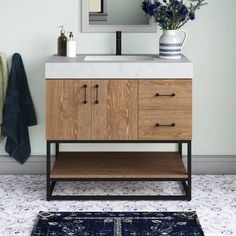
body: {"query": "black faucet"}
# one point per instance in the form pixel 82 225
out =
pixel 118 42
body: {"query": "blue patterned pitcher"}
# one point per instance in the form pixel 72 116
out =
pixel 171 43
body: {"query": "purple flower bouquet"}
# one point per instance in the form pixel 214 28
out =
pixel 172 14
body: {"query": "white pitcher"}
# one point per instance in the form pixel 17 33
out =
pixel 171 43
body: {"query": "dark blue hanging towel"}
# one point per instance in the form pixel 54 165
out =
pixel 18 112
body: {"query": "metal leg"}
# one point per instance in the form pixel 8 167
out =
pixel 187 185
pixel 189 171
pixel 48 170
pixel 56 149
pixel 180 149
pixel 52 186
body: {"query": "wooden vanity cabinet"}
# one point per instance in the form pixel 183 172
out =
pixel 119 109
pixel 92 109
pixel 124 111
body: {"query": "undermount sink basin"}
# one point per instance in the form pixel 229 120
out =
pixel 123 58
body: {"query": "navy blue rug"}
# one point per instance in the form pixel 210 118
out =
pixel 117 224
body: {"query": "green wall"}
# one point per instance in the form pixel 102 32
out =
pixel 30 28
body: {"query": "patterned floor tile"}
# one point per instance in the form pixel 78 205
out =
pixel 22 197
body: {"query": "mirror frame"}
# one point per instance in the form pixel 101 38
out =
pixel 87 28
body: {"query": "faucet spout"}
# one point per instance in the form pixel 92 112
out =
pixel 118 42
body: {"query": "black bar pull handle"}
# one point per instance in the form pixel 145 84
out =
pixel 170 125
pixel 165 95
pixel 97 100
pixel 85 93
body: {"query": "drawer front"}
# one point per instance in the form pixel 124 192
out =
pixel 165 94
pixel 165 125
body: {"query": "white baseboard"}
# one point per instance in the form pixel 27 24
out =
pixel 200 165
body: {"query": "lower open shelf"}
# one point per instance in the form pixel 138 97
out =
pixel 118 165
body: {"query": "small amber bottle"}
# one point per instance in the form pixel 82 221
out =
pixel 62 43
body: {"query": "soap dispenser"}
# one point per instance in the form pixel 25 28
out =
pixel 62 43
pixel 71 46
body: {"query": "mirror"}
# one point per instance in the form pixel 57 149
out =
pixel 115 15
pixel 115 12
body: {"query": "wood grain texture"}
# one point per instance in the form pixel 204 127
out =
pixel 181 88
pixel 115 117
pixel 67 117
pixel 118 165
pixel 149 118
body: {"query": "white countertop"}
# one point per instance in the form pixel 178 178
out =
pixel 77 68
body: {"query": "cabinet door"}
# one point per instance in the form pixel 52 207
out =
pixel 68 116
pixel 115 110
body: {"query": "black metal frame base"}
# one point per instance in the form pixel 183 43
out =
pixel 187 183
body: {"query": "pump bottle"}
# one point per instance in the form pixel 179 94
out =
pixel 71 46
pixel 62 43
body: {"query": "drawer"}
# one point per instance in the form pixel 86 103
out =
pixel 165 94
pixel 165 125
